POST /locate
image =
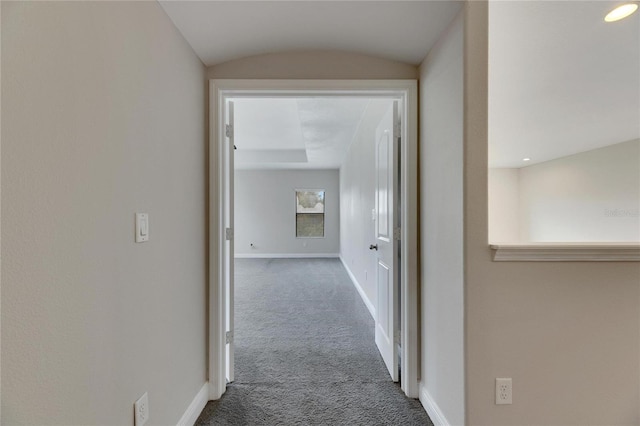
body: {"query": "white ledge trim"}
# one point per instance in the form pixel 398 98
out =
pixel 566 252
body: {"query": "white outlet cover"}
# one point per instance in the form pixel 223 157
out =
pixel 141 409
pixel 504 391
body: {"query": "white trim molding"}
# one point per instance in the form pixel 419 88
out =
pixel 432 409
pixel 566 252
pixel 370 306
pixel 285 255
pixel 405 91
pixel 195 408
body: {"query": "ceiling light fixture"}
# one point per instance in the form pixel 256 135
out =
pixel 526 159
pixel 621 12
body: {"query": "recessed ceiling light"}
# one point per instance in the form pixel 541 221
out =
pixel 526 159
pixel 621 12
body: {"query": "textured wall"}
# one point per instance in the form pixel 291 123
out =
pixel 103 115
pixel 265 212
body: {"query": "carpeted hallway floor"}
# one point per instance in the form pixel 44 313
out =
pixel 305 352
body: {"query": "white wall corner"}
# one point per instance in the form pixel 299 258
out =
pixel 432 409
pixel 356 284
pixel 195 408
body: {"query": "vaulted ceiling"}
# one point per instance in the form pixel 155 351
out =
pixel 561 80
pixel 305 133
pixel 221 31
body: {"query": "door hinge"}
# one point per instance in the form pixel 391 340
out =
pixel 397 129
pixel 229 337
pixel 228 234
pixel 396 337
pixel 397 234
pixel 228 130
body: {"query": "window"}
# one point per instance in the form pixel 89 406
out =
pixel 309 213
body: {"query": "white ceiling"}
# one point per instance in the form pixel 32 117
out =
pixel 561 80
pixel 295 133
pixel 305 133
pixel 221 31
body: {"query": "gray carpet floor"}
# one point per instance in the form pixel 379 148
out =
pixel 305 352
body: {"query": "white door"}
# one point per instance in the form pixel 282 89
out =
pixel 386 243
pixel 228 247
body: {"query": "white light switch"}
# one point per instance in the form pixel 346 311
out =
pixel 142 227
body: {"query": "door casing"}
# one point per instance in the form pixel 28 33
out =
pixel 406 91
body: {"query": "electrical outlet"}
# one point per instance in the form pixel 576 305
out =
pixel 141 408
pixel 504 388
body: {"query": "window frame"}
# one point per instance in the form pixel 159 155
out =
pixel 324 213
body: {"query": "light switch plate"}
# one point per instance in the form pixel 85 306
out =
pixel 142 227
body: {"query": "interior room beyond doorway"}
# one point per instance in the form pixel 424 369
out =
pixel 332 137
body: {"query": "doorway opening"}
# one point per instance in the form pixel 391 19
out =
pixel 395 223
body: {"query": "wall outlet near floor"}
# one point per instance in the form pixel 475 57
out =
pixel 141 408
pixel 504 389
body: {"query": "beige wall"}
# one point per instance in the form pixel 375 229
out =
pixel 328 65
pixel 441 214
pixel 567 333
pixel 504 206
pixel 103 116
pixel 590 196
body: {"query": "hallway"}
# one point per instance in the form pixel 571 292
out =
pixel 305 352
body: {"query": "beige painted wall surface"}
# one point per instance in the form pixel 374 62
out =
pixel 103 116
pixel 504 205
pixel 573 328
pixel 441 215
pixel 590 196
pixel 313 65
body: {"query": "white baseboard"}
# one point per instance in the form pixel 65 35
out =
pixel 283 255
pixel 432 409
pixel 356 284
pixel 195 408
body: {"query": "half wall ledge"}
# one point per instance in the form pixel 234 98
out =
pixel 566 252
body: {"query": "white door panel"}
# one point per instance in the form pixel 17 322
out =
pixel 386 246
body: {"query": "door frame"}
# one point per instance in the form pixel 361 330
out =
pixel 404 90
